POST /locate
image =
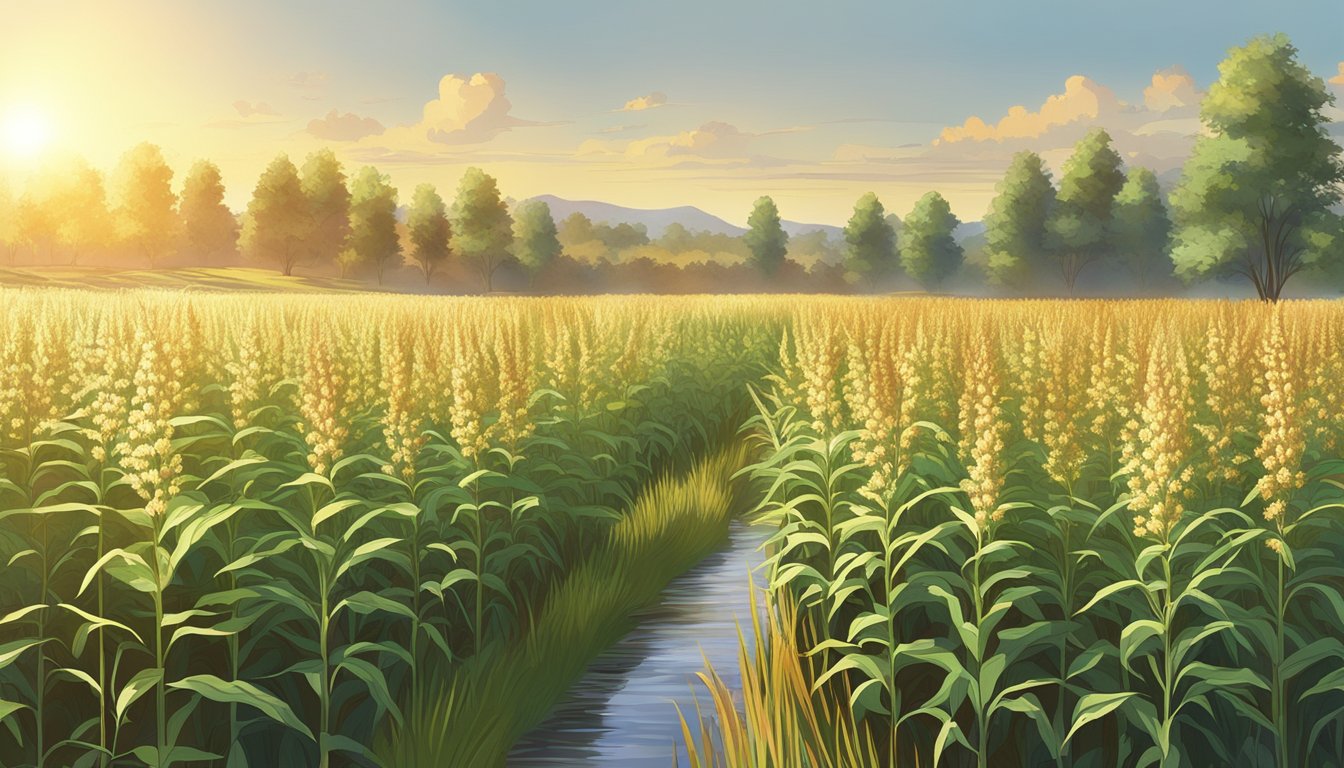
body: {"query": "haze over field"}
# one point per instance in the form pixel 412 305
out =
pixel 638 105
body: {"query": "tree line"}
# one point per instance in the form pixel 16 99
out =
pixel 1258 199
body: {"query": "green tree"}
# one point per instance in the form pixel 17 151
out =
pixel 147 210
pixel 1015 227
pixel 429 229
pixel 373 220
pixel 1140 228
pixel 535 241
pixel 1080 222
pixel 324 185
pixel 277 224
pixel 929 252
pixel 1257 190
pixel 209 227
pixel 766 238
pixel 871 239
pixel 482 228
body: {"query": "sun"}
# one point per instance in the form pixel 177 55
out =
pixel 25 132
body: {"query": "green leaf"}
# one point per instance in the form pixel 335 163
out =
pixel 243 692
pixel 1093 706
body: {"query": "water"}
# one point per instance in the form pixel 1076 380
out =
pixel 621 712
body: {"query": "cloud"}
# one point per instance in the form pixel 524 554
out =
pixel 1172 88
pixel 714 140
pixel 622 128
pixel 347 126
pixel 248 109
pixel 641 103
pixel 1082 99
pixel 1339 78
pixel 307 81
pixel 1158 131
pixel 467 111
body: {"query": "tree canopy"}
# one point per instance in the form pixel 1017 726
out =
pixel 872 241
pixel 1078 225
pixel 535 242
pixel 929 252
pixel 277 223
pixel 1256 193
pixel 147 209
pixel 329 200
pixel 765 236
pixel 1015 227
pixel 428 228
pixel 1140 227
pixel 209 227
pixel 373 220
pixel 482 227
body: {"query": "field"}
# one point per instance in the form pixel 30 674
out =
pixel 335 529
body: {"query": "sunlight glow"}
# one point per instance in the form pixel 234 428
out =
pixel 25 132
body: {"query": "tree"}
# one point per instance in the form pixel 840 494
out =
pixel 871 239
pixel 277 224
pixel 323 182
pixel 1256 193
pixel 766 238
pixel 1081 219
pixel 147 210
pixel 77 201
pixel 1015 227
pixel 9 223
pixel 209 227
pixel 929 252
pixel 1140 228
pixel 373 220
pixel 429 229
pixel 535 242
pixel 482 229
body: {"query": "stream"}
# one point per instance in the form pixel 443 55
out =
pixel 620 713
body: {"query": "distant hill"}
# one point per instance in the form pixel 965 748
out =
pixel 656 220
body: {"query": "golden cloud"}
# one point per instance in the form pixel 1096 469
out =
pixel 1082 99
pixel 1339 78
pixel 651 101
pixel 1171 89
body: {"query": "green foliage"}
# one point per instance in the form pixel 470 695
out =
pixel 330 213
pixel 482 228
pixel 373 235
pixel 429 230
pixel 872 241
pixel 209 227
pixel 534 236
pixel 277 224
pixel 1015 227
pixel 1081 217
pixel 1256 194
pixel 1140 229
pixel 766 237
pixel 929 253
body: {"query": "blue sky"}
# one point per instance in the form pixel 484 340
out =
pixel 815 103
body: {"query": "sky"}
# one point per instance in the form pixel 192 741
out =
pixel 709 103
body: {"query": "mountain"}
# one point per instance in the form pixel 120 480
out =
pixel 656 220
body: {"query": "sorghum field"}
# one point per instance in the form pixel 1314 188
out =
pixel 268 529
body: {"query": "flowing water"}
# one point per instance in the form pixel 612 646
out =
pixel 621 711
